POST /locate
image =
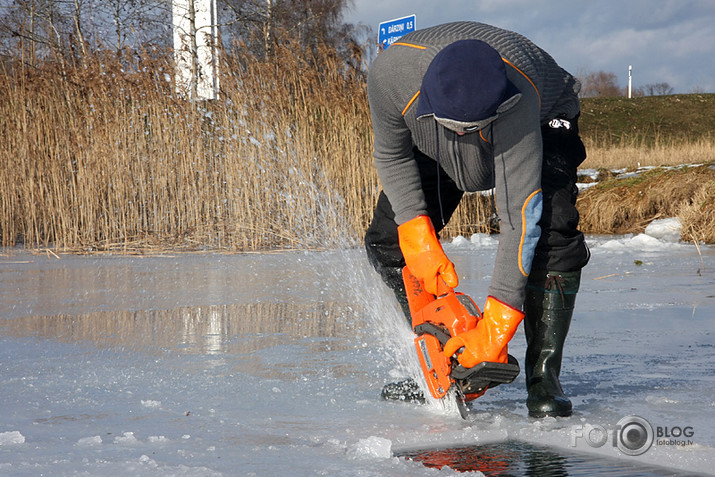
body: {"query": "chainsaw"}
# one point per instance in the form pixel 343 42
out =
pixel 435 319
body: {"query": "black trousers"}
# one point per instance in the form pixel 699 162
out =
pixel 561 247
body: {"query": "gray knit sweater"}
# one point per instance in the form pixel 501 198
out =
pixel 506 155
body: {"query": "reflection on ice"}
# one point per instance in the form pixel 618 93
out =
pixel 213 329
pixel 521 458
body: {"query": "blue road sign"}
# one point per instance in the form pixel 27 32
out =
pixel 390 31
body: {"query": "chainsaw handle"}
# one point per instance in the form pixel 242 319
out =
pixel 439 332
pixel 442 287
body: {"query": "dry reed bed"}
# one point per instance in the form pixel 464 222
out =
pixel 109 158
pixel 104 159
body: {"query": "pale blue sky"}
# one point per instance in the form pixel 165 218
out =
pixel 669 41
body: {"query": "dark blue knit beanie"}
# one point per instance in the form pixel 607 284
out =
pixel 465 82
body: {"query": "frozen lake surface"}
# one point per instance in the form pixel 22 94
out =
pixel 272 364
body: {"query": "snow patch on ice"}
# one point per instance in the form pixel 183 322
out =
pixel 639 243
pixel 148 461
pixel 126 439
pixel 89 441
pixel 335 444
pixel 661 400
pixel 459 240
pixel 372 447
pixel 151 404
pixel 476 240
pixel 11 437
pixel 668 230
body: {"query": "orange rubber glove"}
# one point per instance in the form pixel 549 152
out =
pixel 424 255
pixel 488 340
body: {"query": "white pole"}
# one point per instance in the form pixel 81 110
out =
pixel 207 51
pixel 195 48
pixel 630 82
pixel 183 56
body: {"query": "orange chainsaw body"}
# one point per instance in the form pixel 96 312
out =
pixel 435 319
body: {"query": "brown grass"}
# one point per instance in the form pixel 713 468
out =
pixel 106 157
pixel 628 205
pixel 698 214
pixel 634 154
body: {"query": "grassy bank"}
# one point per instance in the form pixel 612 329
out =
pixel 628 134
pixel 108 158
pixel 629 204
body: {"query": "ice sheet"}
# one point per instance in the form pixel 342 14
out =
pixel 261 364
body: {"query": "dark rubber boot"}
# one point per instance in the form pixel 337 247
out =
pixel 549 304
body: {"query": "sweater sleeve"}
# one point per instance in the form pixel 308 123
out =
pixel 394 159
pixel 518 156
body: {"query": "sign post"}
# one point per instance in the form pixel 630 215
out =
pixel 391 31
